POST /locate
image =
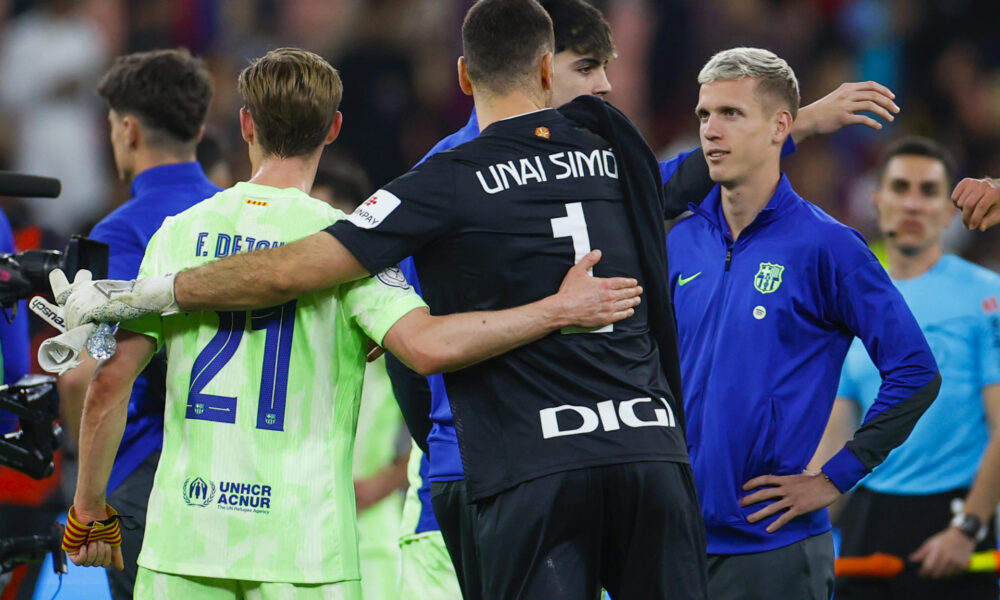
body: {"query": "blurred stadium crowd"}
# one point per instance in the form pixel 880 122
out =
pixel 397 58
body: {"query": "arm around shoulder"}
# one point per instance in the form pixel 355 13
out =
pixel 844 106
pixel 240 282
pixel 268 277
pixel 429 344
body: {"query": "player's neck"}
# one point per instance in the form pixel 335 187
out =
pixel 743 201
pixel 907 265
pixel 282 173
pixel 491 108
pixel 148 158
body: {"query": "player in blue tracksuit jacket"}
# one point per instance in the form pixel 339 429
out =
pixel 768 292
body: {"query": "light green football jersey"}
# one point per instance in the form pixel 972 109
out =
pixel 376 445
pixel 379 423
pixel 254 480
pixel 426 571
pixel 412 505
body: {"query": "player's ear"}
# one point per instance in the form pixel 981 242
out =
pixel 201 133
pixel 463 77
pixel 782 126
pixel 132 131
pixel 338 121
pixel 546 71
pixel 246 125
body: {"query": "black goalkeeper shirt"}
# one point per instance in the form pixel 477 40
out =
pixel 496 223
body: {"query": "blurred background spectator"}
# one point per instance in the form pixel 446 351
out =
pixel 397 59
pixel 50 58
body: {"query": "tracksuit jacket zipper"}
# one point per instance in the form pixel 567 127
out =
pixel 716 334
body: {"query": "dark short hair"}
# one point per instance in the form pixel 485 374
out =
pixel 167 90
pixel 918 146
pixel 292 95
pixel 502 41
pixel 581 28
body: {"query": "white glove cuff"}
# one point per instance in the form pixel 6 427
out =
pixel 160 292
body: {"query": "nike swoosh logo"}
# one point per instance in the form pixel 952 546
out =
pixel 681 280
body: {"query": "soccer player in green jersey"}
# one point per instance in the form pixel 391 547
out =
pixel 381 450
pixel 253 495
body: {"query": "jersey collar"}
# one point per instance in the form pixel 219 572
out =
pixel 784 197
pixel 184 173
pixel 541 115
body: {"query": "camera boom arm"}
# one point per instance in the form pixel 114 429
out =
pixel 35 401
pixel 33 548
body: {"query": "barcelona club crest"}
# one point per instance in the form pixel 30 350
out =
pixel 198 492
pixel 768 278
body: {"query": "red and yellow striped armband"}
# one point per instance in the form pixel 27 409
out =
pixel 77 534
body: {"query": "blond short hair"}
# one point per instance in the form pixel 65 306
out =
pixel 292 95
pixel 775 79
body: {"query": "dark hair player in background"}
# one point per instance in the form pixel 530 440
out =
pixel 157 102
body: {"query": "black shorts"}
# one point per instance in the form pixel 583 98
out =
pixel 898 524
pixel 457 520
pixel 634 529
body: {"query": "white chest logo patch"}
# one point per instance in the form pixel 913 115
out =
pixel 374 210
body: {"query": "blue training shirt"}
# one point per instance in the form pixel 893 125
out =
pixel 955 303
pixel 763 324
pixel 155 194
